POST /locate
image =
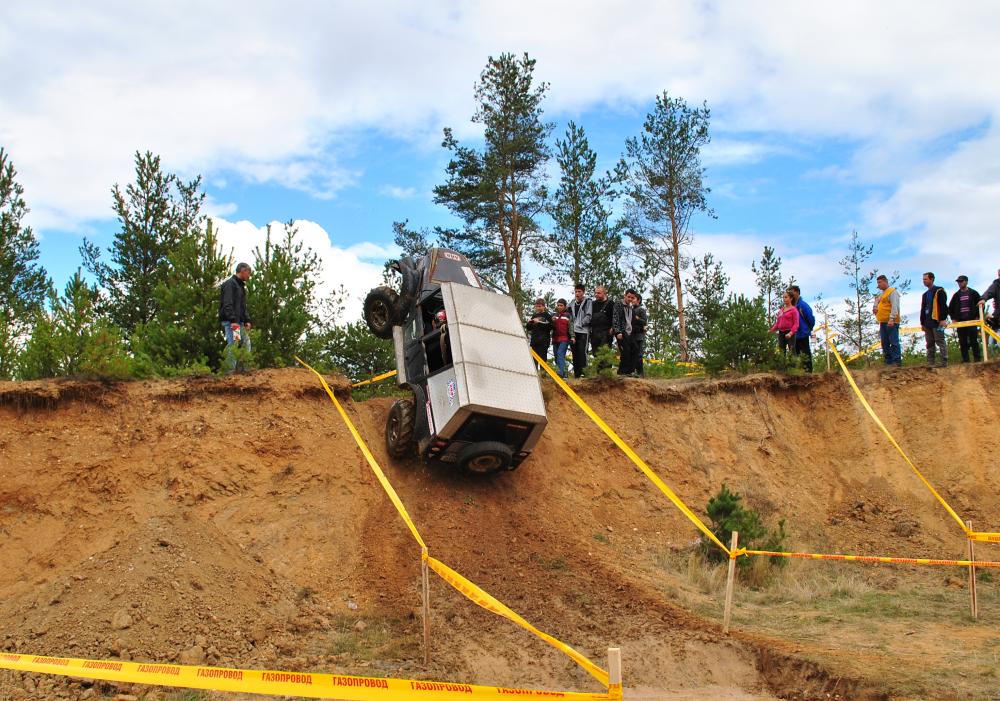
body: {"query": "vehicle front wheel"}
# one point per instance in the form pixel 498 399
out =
pixel 381 312
pixel 486 457
pixel 399 428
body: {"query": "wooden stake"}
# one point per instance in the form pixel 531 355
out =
pixel 826 344
pixel 973 598
pixel 982 333
pixel 729 584
pixel 615 672
pixel 427 611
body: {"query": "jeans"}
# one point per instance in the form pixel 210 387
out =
pixel 889 335
pixel 244 341
pixel 936 342
pixel 559 349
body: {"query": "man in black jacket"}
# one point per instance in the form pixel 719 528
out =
pixel 965 307
pixel 993 293
pixel 933 320
pixel 233 314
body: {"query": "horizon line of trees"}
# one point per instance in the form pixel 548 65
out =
pixel 148 304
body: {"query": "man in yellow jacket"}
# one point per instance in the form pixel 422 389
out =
pixel 886 311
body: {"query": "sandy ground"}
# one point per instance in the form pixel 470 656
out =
pixel 233 522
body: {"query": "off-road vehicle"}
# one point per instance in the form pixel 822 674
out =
pixel 461 351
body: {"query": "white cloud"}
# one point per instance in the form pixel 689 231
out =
pixel 398 193
pixel 273 92
pixel 358 268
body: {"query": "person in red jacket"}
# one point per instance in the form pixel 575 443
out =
pixel 562 335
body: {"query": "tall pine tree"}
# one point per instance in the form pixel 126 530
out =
pixel 500 192
pixel 155 212
pixel 281 297
pixel 769 280
pixel 584 246
pixel 665 184
pixel 707 291
pixel 184 333
pixel 23 282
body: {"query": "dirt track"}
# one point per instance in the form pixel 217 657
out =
pixel 234 521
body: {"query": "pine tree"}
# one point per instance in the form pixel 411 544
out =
pixel 857 322
pixel 281 297
pixel 665 185
pixel 185 335
pixel 584 247
pixel 500 192
pixel 707 291
pixel 156 212
pixel 769 281
pixel 72 338
pixel 23 282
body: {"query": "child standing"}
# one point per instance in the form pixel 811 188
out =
pixel 540 329
pixel 787 324
pixel 562 335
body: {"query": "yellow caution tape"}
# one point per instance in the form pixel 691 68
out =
pixel 251 681
pixel 872 558
pixel 919 329
pixel 991 332
pixel 480 596
pixel 624 447
pixel 974 535
pixel 377 378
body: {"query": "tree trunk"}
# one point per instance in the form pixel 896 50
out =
pixel 681 320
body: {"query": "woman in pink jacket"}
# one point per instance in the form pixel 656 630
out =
pixel 787 324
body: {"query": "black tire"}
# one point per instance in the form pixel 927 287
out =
pixel 381 311
pixel 485 458
pixel 399 428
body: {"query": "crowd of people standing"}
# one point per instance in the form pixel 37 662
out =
pixel 582 326
pixel 585 325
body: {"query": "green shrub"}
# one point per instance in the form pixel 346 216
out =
pixel 603 364
pixel 727 514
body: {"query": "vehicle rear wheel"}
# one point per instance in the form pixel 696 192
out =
pixel 399 428
pixel 485 457
pixel 381 311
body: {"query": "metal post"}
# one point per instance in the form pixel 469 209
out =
pixel 614 672
pixel 729 583
pixel 427 608
pixel 973 598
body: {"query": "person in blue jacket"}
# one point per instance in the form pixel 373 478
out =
pixel 807 322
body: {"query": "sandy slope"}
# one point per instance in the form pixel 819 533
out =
pixel 236 520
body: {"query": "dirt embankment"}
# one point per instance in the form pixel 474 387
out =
pixel 234 521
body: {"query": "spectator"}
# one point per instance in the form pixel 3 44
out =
pixel 992 293
pixel 787 324
pixel 807 322
pixel 965 307
pixel 886 310
pixel 580 311
pixel 540 329
pixel 639 322
pixel 624 324
pixel 601 319
pixel 233 315
pixel 562 335
pixel 933 320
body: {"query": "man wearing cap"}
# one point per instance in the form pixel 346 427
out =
pixel 886 311
pixel 965 307
pixel 933 320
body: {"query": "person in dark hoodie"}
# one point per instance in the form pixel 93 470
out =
pixel 540 329
pixel 233 315
pixel 965 307
pixel 601 319
pixel 992 293
pixel 933 320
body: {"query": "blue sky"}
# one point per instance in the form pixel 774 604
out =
pixel 878 117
